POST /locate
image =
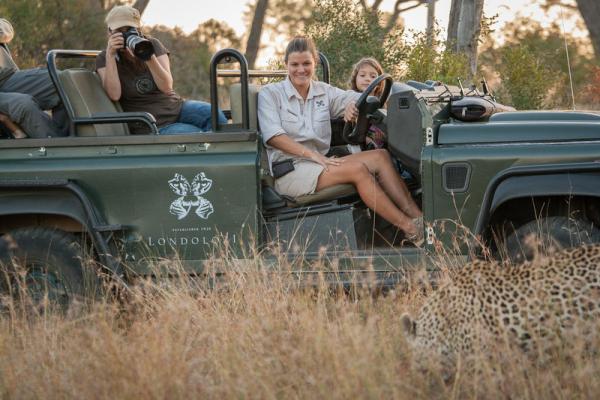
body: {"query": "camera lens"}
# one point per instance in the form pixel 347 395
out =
pixel 140 47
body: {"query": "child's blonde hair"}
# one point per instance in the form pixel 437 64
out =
pixel 370 61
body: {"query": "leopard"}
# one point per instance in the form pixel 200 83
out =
pixel 533 306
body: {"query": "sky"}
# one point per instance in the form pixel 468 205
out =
pixel 188 14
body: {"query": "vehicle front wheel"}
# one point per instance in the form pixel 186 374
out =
pixel 549 234
pixel 39 264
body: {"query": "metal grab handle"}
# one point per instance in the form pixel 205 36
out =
pixel 227 56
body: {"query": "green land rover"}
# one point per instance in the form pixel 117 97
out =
pixel 486 178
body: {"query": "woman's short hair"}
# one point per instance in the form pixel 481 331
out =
pixel 300 44
pixel 371 62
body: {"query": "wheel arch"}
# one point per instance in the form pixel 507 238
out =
pixel 50 208
pixel 60 202
pixel 518 200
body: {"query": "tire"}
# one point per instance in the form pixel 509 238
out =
pixel 39 262
pixel 547 235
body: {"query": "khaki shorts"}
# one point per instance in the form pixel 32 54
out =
pixel 301 181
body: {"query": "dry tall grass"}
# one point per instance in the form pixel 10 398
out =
pixel 255 337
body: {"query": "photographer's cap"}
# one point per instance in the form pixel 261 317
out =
pixel 121 16
pixel 6 31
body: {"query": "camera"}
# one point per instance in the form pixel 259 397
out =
pixel 140 47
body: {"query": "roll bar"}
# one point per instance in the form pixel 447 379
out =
pixel 104 118
pixel 227 56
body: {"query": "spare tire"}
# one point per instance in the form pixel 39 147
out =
pixel 549 234
pixel 42 263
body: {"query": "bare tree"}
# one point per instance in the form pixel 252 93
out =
pixel 141 5
pixel 590 12
pixel 253 43
pixel 400 6
pixel 464 27
pixel 430 20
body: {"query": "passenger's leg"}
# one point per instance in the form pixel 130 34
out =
pixel 24 111
pixel 35 82
pixel 178 128
pixel 380 164
pixel 358 174
pixel 198 113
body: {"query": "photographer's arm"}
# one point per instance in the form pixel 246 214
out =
pixel 109 74
pixel 160 69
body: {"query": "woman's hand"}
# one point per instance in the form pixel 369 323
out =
pixel 351 112
pixel 325 162
pixel 115 43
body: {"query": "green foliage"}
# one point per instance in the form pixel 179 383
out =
pixel 79 24
pixel 44 25
pixel 545 47
pixel 525 78
pixel 429 59
pixel 345 33
pixel 191 53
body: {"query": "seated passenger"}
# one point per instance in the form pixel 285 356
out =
pixel 294 117
pixel 144 82
pixel 25 93
pixel 363 73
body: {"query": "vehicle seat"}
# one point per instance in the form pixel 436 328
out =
pixel 84 90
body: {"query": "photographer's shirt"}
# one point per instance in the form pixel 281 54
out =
pixel 139 92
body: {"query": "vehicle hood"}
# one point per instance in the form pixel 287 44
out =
pixel 524 126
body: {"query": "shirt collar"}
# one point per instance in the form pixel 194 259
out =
pixel 315 89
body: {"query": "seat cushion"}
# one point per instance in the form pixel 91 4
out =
pixel 87 97
pixel 328 194
pixel 235 97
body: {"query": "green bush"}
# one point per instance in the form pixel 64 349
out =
pixel 431 60
pixel 525 79
pixel 345 33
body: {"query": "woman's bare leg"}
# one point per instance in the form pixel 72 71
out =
pixel 380 164
pixel 358 174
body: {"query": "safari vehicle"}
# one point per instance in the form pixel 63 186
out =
pixel 483 178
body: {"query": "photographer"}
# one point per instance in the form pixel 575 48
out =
pixel 135 71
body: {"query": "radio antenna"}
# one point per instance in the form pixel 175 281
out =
pixel 562 18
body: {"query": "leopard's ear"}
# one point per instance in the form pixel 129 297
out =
pixel 409 327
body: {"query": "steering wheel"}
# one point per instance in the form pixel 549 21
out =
pixel 367 105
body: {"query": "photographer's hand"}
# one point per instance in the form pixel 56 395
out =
pixel 115 43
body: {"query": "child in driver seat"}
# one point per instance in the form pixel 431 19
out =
pixel 363 73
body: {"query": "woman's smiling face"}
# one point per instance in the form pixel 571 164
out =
pixel 301 68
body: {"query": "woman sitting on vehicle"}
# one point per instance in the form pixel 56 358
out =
pixel 143 82
pixel 294 117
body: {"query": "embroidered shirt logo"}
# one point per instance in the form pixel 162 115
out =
pixel 144 85
pixel 320 103
pixel 191 196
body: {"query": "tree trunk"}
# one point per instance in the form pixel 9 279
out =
pixel 253 44
pixel 430 20
pixel 464 27
pixel 590 11
pixel 141 5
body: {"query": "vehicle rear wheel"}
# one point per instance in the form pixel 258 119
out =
pixel 42 263
pixel 549 234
